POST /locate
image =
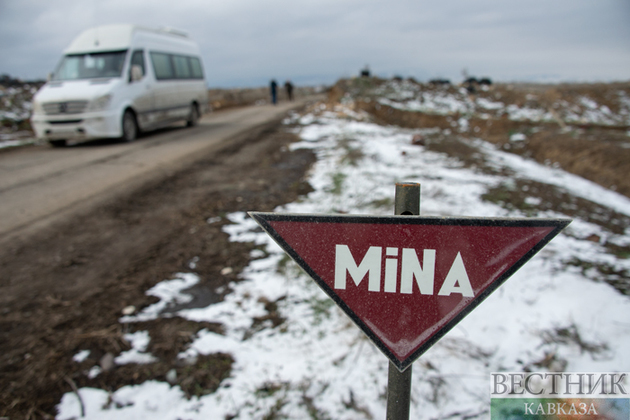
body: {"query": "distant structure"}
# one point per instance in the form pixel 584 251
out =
pixel 472 83
pixel 365 72
pixel 439 82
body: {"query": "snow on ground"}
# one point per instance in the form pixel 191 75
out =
pixel 28 139
pixel 318 365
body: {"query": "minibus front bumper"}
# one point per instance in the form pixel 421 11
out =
pixel 77 127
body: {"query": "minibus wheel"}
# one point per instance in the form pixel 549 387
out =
pixel 129 126
pixel 193 116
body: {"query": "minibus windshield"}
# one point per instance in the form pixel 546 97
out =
pixel 90 66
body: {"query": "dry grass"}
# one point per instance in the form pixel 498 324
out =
pixel 387 115
pixel 603 162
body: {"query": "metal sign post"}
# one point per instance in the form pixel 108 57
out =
pixel 406 202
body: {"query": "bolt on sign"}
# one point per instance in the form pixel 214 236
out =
pixel 407 280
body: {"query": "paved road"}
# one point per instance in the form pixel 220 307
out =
pixel 41 184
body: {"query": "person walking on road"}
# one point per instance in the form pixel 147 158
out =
pixel 274 92
pixel 289 88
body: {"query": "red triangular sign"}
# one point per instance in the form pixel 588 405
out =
pixel 407 280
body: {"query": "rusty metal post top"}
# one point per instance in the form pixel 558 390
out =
pixel 407 201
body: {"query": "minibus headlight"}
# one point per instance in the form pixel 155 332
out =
pixel 101 103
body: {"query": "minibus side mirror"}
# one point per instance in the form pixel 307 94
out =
pixel 136 73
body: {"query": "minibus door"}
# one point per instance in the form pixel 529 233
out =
pixel 141 89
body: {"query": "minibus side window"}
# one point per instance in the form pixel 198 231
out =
pixel 182 69
pixel 195 65
pixel 162 66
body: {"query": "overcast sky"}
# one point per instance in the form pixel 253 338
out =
pixel 248 42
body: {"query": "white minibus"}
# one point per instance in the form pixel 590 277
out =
pixel 117 80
